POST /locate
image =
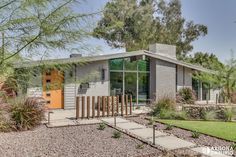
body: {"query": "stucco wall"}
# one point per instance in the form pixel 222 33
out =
pixel 165 79
pixel 90 73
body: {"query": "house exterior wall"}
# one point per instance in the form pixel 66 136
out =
pixel 165 79
pixel 184 77
pixel 90 73
pixel 152 80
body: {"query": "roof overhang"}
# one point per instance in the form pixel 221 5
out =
pixel 88 59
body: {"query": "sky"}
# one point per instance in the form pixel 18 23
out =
pixel 218 15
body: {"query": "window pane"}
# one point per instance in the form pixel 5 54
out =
pixel 143 87
pixel 143 65
pixel 131 84
pixel 131 63
pixel 116 83
pixel 116 64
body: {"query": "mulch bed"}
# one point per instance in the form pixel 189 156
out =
pixel 203 140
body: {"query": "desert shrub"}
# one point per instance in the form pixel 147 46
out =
pixel 195 134
pixel 209 115
pixel 165 103
pixel 116 134
pixel 101 126
pixel 169 127
pixel 6 124
pixel 181 115
pixel 166 114
pixel 186 96
pixel 27 113
pixel 228 114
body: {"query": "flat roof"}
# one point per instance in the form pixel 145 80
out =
pixel 87 59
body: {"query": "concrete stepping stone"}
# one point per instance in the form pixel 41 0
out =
pixel 118 120
pixel 172 142
pixel 207 151
pixel 146 133
pixel 130 126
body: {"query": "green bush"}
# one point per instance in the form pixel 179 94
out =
pixel 169 127
pixel 166 114
pixel 209 115
pixel 228 114
pixel 101 126
pixel 116 134
pixel 186 96
pixel 27 113
pixel 166 103
pixel 195 134
pixel 181 115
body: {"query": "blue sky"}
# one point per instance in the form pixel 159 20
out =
pixel 218 15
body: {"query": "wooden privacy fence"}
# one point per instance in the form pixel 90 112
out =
pixel 103 106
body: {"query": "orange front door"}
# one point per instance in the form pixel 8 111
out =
pixel 53 88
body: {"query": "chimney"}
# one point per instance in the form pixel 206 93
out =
pixel 75 55
pixel 163 49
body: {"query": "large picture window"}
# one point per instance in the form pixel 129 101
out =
pixel 130 76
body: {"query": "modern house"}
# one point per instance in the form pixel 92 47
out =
pixel 144 74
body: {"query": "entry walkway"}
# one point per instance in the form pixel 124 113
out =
pixel 168 142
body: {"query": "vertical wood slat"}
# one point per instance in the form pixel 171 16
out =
pixel 83 106
pixel 93 106
pixel 98 106
pixel 130 104
pixel 88 106
pixel 126 104
pixel 112 105
pixel 103 105
pixel 108 106
pixel 117 104
pixel 77 107
pixel 122 105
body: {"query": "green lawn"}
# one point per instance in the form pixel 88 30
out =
pixel 225 130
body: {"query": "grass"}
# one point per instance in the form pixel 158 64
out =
pixel 224 130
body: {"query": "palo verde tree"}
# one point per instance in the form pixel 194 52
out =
pixel 134 24
pixel 31 26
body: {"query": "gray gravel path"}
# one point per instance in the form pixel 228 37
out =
pixel 84 141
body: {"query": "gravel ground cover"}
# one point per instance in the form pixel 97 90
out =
pixel 203 140
pixel 78 141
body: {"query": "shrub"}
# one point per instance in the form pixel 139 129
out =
pixel 166 103
pixel 181 115
pixel 27 113
pixel 228 114
pixel 209 115
pixel 5 126
pixel 166 114
pixel 116 134
pixel 186 96
pixel 101 126
pixel 195 134
pixel 139 146
pixel 169 127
